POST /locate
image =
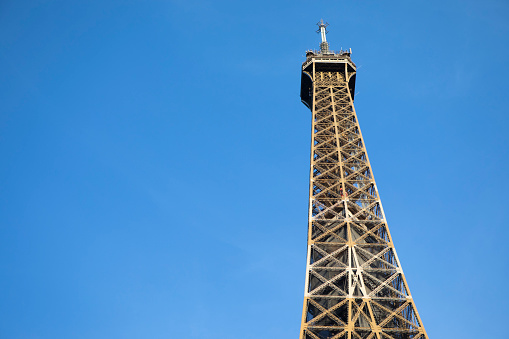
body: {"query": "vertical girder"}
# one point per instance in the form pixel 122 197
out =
pixel 355 286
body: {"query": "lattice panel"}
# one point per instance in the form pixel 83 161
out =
pixel 355 287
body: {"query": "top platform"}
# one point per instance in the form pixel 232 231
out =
pixel 329 57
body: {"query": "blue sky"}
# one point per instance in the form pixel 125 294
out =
pixel 156 155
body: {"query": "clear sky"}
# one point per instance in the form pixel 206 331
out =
pixel 155 162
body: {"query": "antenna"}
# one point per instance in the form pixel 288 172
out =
pixel 322 29
pixel 324 45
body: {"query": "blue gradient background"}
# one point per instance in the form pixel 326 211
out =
pixel 155 160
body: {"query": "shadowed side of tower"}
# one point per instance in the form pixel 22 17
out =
pixel 355 286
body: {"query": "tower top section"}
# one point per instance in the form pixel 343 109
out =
pixel 324 45
pixel 325 60
pixel 324 54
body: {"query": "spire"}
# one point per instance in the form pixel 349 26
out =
pixel 322 30
pixel 324 45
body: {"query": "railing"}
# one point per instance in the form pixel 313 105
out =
pixel 329 53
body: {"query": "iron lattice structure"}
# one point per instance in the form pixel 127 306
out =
pixel 355 286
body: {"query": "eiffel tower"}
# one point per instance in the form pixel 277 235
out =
pixel 355 286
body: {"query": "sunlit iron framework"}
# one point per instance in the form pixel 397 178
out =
pixel 355 286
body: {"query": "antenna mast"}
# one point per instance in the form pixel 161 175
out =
pixel 324 45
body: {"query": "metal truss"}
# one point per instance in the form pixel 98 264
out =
pixel 355 286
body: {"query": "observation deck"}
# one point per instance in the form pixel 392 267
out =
pixel 325 61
